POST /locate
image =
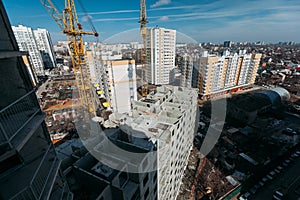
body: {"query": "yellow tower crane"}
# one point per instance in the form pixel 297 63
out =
pixel 68 22
pixel 143 31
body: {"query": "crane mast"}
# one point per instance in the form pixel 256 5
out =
pixel 143 31
pixel 68 22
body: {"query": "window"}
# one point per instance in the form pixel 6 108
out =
pixel 136 195
pixel 123 179
pixel 146 194
pixel 154 177
pixel 146 179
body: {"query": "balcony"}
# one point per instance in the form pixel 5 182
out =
pixel 33 181
pixel 18 119
pixel 61 192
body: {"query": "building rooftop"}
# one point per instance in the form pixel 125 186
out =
pixel 155 115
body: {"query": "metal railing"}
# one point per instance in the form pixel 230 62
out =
pixel 26 193
pixel 40 178
pixel 15 116
pixel 43 172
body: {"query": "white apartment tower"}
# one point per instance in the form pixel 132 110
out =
pixel 116 78
pixel 45 47
pixel 27 42
pixel 160 55
pixel 121 84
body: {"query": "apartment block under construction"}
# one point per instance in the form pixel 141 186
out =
pixel 145 157
pixel 168 119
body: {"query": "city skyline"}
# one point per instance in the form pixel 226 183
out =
pixel 205 21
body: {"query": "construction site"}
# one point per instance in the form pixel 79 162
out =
pixel 116 124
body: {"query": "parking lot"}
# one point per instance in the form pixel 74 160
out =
pixel 284 178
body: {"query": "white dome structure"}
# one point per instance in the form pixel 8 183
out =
pixel 277 95
pixel 283 93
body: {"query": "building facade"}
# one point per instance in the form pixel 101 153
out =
pixel 167 119
pixel 185 64
pixel 161 54
pixel 114 80
pixel 227 44
pixel 29 167
pixel 45 46
pixel 27 42
pixel 214 74
pixel 145 158
pixel 121 82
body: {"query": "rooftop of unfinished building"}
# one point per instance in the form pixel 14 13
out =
pixel 119 62
pixel 163 93
pixel 158 112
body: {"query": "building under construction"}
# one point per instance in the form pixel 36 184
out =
pixel 156 142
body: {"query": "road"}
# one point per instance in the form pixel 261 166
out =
pixel 283 181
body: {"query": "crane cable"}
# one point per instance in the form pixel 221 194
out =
pixel 87 16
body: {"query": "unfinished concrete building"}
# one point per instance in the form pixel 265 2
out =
pixel 186 68
pixel 168 119
pixel 146 157
pixel 29 167
pixel 113 181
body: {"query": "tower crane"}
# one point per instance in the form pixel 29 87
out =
pixel 143 31
pixel 68 22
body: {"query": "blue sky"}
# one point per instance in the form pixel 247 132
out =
pixel 202 20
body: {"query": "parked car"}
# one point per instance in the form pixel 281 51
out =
pixel 244 196
pixel 265 179
pixel 277 171
pixel 272 173
pixel 269 177
pixel 277 195
pixel 253 190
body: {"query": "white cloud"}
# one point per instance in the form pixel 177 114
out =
pixel 86 18
pixel 113 12
pixel 160 3
pixel 115 19
pixel 174 8
pixel 164 18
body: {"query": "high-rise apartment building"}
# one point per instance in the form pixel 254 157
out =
pixel 29 167
pixel 168 119
pixel 160 55
pixel 157 140
pixel 185 64
pixel 27 42
pixel 45 46
pixel 93 59
pixel 214 75
pixel 227 44
pixel 120 78
pixel 115 79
